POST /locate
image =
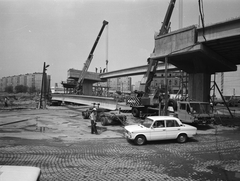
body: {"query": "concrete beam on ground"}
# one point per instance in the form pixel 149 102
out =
pixel 105 102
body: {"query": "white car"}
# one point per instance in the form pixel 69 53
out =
pixel 159 128
pixel 19 173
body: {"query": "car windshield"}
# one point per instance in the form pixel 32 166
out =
pixel 200 108
pixel 147 122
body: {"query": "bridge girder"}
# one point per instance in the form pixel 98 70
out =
pixel 217 50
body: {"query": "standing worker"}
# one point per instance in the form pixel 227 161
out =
pixel 93 117
pixel 5 102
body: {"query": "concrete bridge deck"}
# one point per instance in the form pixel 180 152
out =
pixel 214 48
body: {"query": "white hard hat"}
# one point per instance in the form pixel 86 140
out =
pixel 170 108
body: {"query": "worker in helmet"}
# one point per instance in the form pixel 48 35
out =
pixel 93 117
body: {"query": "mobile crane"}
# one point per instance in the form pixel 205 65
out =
pixel 79 86
pixel 145 99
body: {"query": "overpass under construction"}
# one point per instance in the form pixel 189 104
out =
pixel 200 52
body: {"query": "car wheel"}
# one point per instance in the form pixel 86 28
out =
pixel 182 138
pixel 85 115
pixel 135 112
pixel 104 121
pixel 140 140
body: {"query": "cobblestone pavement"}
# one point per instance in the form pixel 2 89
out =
pixel 207 157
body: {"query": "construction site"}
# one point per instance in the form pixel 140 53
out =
pixel 183 78
pixel 195 51
pixel 190 58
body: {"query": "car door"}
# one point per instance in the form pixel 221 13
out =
pixel 172 129
pixel 182 111
pixel 158 130
pixel 188 115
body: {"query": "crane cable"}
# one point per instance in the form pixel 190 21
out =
pixel 107 48
pixel 200 6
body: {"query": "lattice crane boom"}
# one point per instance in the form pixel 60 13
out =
pixel 79 86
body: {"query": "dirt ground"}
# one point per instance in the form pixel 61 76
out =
pixel 66 123
pixel 22 119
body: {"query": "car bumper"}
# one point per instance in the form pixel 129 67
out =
pixel 128 136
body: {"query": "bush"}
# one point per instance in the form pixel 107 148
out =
pixel 9 89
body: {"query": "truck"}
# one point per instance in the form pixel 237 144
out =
pixel 194 112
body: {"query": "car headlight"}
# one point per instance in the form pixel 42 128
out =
pixel 129 134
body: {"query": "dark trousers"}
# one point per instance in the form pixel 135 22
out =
pixel 93 127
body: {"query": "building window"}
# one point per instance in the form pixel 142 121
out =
pixel 176 82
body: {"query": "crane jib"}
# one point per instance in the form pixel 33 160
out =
pixel 82 75
pixel 152 66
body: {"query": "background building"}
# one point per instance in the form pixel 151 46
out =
pixel 177 80
pixel 33 81
pixel 121 84
pixel 228 83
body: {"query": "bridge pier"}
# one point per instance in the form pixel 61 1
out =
pixel 201 52
pixel 199 87
pixel 87 87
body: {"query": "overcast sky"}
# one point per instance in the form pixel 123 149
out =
pixel 62 32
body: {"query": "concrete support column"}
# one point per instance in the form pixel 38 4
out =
pixel 199 87
pixel 87 88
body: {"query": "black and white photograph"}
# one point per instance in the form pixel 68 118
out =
pixel 119 90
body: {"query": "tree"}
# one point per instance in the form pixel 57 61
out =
pixel 9 89
pixel 21 88
pixel 32 89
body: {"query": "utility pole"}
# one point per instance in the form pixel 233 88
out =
pixel 42 100
pixel 166 86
